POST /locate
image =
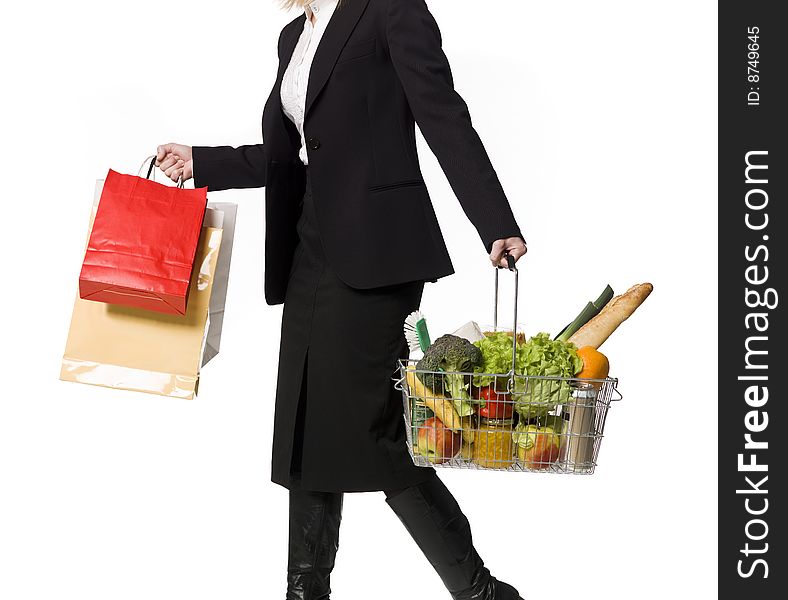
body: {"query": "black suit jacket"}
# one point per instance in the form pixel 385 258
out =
pixel 379 66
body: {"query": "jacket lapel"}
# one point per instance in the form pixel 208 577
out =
pixel 288 46
pixel 342 22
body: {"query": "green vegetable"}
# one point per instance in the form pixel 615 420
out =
pixel 548 358
pixel 605 297
pixel 539 356
pixel 589 312
pixel 496 351
pixel 450 353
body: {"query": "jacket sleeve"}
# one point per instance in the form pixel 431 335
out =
pixel 442 115
pixel 225 167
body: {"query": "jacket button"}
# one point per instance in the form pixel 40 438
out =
pixel 313 143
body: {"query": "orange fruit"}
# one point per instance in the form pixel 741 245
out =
pixel 595 364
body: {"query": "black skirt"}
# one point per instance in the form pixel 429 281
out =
pixel 338 423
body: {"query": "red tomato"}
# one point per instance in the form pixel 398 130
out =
pixel 496 405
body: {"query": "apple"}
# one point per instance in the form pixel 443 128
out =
pixel 437 442
pixel 541 447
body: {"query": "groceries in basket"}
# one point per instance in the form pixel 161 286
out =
pixel 497 399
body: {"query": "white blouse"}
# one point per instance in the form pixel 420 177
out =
pixel 296 76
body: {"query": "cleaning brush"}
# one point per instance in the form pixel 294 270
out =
pixel 416 332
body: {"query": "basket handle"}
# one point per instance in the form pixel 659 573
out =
pixel 512 267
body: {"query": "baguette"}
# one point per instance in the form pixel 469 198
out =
pixel 619 309
pixel 442 407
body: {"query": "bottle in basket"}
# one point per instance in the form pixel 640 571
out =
pixel 582 433
pixel 494 447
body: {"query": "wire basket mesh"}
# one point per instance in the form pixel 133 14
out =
pixel 518 422
pixel 541 424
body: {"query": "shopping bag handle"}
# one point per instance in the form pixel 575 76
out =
pixel 152 160
pixel 513 268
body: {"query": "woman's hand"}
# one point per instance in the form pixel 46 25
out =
pixel 176 161
pixel 513 245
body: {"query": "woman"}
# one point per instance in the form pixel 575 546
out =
pixel 351 238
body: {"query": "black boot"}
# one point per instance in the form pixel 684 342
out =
pixel 314 539
pixel 434 520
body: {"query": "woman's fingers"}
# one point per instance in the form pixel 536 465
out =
pixel 175 161
pixel 496 252
pixel 166 152
pixel 519 251
pixel 162 151
pixel 171 169
pixel 515 246
pixel 169 161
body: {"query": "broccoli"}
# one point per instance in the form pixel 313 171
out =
pixel 456 356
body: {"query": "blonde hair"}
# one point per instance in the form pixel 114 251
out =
pixel 290 4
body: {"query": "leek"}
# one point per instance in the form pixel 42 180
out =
pixel 590 310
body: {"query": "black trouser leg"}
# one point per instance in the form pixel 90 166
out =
pixel 440 529
pixel 313 542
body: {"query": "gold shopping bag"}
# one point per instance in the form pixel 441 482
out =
pixel 136 349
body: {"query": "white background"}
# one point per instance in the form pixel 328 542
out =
pixel 600 118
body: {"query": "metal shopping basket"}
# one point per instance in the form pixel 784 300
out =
pixel 527 423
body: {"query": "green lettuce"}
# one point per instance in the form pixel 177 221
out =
pixel 544 357
pixel 496 350
pixel 539 356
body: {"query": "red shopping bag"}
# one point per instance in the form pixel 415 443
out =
pixel 143 243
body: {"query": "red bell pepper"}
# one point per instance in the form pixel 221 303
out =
pixel 497 405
